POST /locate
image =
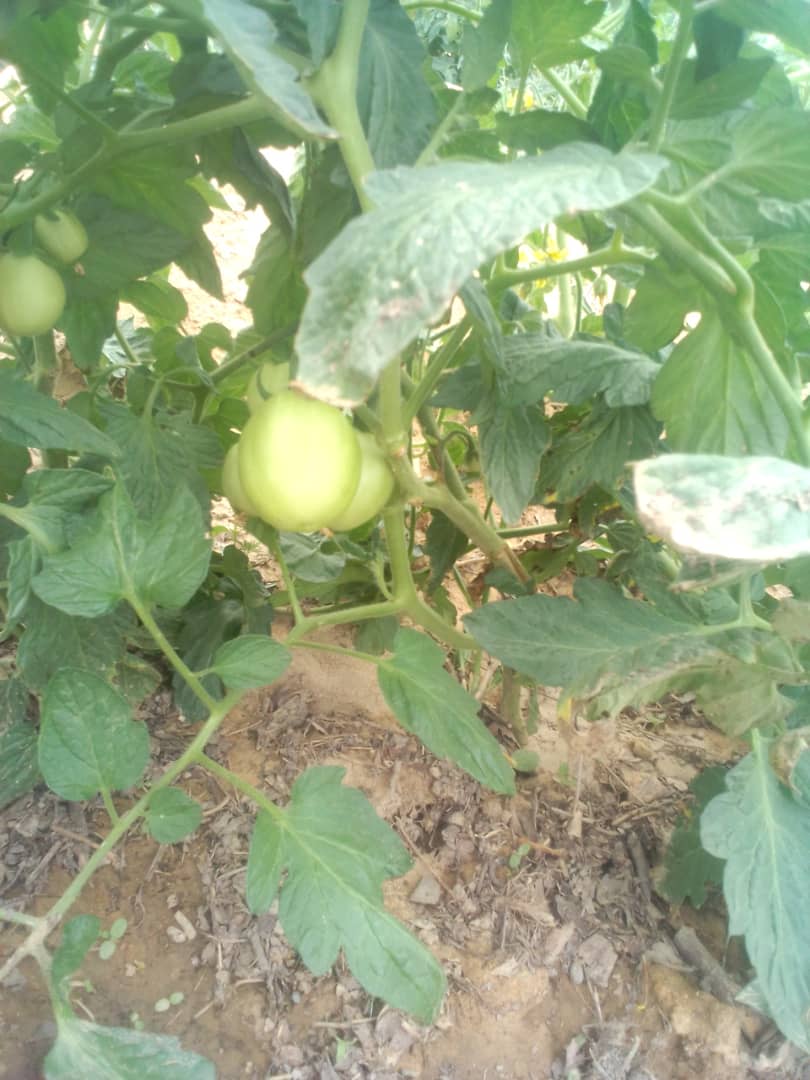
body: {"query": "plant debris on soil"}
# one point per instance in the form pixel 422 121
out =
pixel 561 958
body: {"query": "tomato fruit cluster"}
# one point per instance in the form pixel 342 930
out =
pixel 301 466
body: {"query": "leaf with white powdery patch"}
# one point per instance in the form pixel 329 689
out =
pixel 429 702
pixel 337 853
pixel 94 1052
pixel 374 288
pixel 88 741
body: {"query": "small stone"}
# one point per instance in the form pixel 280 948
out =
pixel 185 925
pixel 427 891
pixel 176 934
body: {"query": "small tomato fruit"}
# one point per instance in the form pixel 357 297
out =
pixel 232 485
pixel 299 462
pixel 373 489
pixel 267 380
pixel 62 235
pixel 32 295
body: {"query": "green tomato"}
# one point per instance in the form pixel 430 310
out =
pixel 61 234
pixel 232 485
pixel 299 462
pixel 267 380
pixel 373 490
pixel 32 295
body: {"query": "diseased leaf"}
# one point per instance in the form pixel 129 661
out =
pixel 750 509
pixel 94 1052
pixel 429 702
pixel 172 815
pixel 712 398
pixel 763 833
pixel 374 288
pixel 250 661
pixel 337 853
pixel 88 741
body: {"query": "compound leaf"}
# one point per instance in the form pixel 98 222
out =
pixel 429 702
pixel 88 741
pixel 337 853
pixel 763 833
pixel 374 287
pixel 512 439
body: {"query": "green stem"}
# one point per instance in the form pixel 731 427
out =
pixel 577 107
pixel 449 6
pixel 227 116
pixel 610 255
pixel 244 786
pixel 341 616
pixel 444 128
pixel 340 650
pixel 23 519
pixel 530 530
pixel 334 88
pixel 438 362
pixel 19 917
pixel 49 921
pixel 680 48
pixel 112 55
pixel 168 650
pixel 236 362
pixel 510 706
pixel 676 244
pixel 109 806
pixel 289 582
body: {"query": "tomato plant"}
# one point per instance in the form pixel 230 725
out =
pixel 267 380
pixel 548 254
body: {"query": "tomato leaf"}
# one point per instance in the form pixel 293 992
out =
pixel 19 770
pixel 394 100
pixel 249 661
pixel 98 1053
pixel 373 288
pixel 763 833
pixel 735 411
pixel 512 440
pixel 750 509
pixel 549 34
pixel 249 36
pixel 429 702
pixel 28 418
pixel 337 853
pixel 88 741
pixel 689 867
pixel 79 935
pixel 483 45
pixel 172 815
pixel 159 560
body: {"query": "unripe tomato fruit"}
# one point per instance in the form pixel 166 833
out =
pixel 32 295
pixel 299 462
pixel 62 235
pixel 373 489
pixel 269 379
pixel 232 485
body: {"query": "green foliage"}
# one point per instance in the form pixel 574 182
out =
pixel 337 853
pixel 638 178
pixel 689 867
